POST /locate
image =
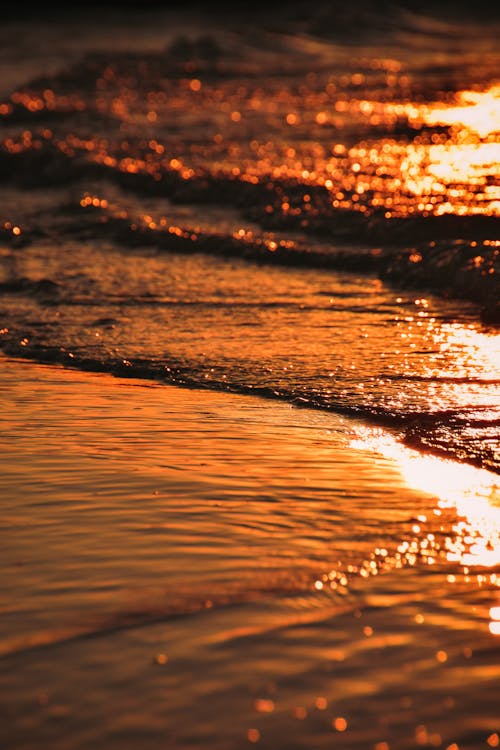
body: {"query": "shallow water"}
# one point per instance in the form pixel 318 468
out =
pixel 266 205
pixel 259 503
pixel 343 342
pixel 214 570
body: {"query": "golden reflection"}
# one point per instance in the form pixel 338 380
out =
pixel 474 493
pixel 446 163
pixel 473 350
pixel 472 542
pixel 477 111
pixel 495 620
pixel 146 222
pixel 339 724
pixel 264 705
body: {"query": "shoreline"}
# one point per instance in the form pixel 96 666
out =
pixel 203 560
pixel 406 428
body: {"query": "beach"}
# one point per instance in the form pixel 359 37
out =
pixel 250 377
pixel 193 569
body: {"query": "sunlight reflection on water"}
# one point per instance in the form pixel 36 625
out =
pixel 477 111
pixel 473 542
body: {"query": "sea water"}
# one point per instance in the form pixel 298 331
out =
pixel 260 504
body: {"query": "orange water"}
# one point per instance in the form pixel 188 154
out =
pixel 201 569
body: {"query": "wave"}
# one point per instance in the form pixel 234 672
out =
pixel 297 153
pixel 464 434
pixel 451 267
pixel 300 606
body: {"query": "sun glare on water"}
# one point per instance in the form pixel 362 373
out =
pixel 476 111
pixel 472 493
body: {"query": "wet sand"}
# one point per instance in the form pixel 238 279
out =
pixel 190 569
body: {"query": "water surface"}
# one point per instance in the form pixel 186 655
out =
pixel 208 569
pixel 258 504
